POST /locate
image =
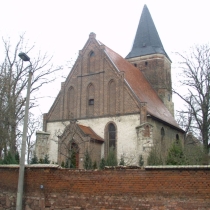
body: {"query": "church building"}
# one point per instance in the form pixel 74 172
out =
pixel 113 103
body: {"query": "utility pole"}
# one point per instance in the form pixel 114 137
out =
pixel 19 200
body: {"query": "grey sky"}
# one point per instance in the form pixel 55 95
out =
pixel 61 28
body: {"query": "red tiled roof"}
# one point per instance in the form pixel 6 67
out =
pixel 141 88
pixel 90 132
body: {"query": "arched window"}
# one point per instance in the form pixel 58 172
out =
pixel 92 54
pixel 112 136
pixel 91 62
pixel 162 133
pixel 90 100
pixel 112 97
pixel 177 138
pixel 162 142
pixel 71 101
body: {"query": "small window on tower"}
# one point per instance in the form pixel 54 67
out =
pixel 91 101
pixel 146 63
pixel 92 54
pixel 135 64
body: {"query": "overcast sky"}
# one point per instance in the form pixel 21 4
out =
pixel 62 27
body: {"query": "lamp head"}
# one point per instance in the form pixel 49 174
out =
pixel 23 56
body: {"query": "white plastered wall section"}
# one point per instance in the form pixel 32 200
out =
pixel 54 128
pixel 126 135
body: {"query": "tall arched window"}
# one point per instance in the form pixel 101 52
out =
pixel 71 101
pixel 112 136
pixel 177 138
pixel 112 97
pixel 162 133
pixel 162 142
pixel 91 62
pixel 90 100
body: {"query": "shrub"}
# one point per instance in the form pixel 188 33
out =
pixel 34 159
pixel 141 160
pixel 94 165
pixel 46 159
pixel 87 164
pixel 102 164
pixel 111 159
pixel 154 158
pixel 176 154
pixel 122 162
pixel 9 159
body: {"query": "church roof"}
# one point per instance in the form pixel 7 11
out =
pixel 141 88
pixel 88 131
pixel 147 40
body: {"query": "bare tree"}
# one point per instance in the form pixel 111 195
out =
pixel 185 120
pixel 195 78
pixel 34 124
pixel 13 82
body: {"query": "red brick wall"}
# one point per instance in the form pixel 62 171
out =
pixel 98 71
pixel 108 189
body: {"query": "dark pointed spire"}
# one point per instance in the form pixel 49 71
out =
pixel 147 40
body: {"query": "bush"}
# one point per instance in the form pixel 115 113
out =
pixel 111 159
pixel 122 162
pixel 95 165
pixel 72 160
pixel 87 164
pixel 176 155
pixel 34 159
pixel 154 158
pixel 141 160
pixel 194 155
pixel 17 157
pixel 9 159
pixel 46 159
pixel 63 164
pixel 102 164
pixel 41 161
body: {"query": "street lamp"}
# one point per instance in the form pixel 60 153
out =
pixel 19 200
pixel 24 57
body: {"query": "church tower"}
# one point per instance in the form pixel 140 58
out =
pixel 149 56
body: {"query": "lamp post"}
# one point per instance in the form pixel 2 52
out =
pixel 24 57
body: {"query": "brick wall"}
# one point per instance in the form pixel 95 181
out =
pixel 153 188
pixel 157 70
pixel 92 77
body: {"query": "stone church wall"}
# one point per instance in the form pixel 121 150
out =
pixel 95 93
pixel 131 142
pixel 126 135
pixel 164 136
pixel 55 129
pixel 49 188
